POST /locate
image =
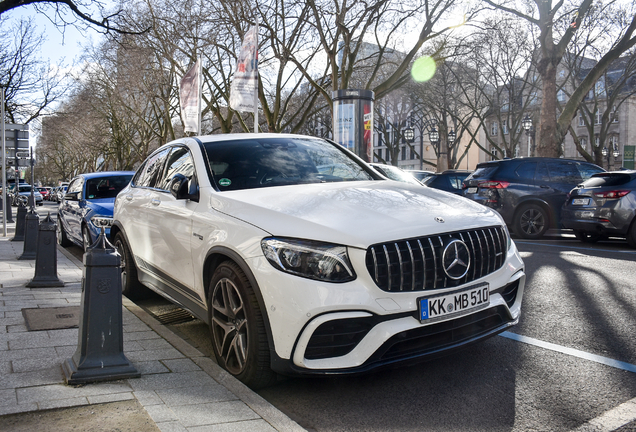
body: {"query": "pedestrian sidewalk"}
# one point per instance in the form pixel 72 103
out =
pixel 180 388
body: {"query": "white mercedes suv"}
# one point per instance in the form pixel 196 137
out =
pixel 305 260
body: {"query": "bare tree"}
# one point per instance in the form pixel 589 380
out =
pixel 546 16
pixel 82 13
pixel 31 84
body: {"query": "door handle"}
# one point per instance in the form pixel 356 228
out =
pixel 129 197
pixel 155 201
pixel 544 187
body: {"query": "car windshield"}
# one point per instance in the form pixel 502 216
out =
pixel 265 162
pixel 106 187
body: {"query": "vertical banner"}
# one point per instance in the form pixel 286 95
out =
pixel 190 97
pixel 367 137
pixel 344 130
pixel 245 81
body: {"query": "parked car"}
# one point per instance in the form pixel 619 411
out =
pixel 395 173
pixel 45 192
pixel 298 271
pixel 604 205
pixel 59 194
pixel 23 193
pixel 527 192
pixel 87 206
pixel 449 181
pixel 420 174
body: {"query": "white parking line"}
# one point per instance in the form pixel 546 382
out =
pixel 571 351
pixel 575 247
pixel 611 420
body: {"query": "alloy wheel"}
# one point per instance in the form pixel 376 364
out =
pixel 230 326
pixel 532 222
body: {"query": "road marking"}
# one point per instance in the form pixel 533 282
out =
pixel 571 351
pixel 611 420
pixel 575 247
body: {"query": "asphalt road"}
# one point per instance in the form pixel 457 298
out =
pixel 571 359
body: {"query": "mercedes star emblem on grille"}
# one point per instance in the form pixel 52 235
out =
pixel 456 259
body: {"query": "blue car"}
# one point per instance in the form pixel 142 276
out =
pixel 87 206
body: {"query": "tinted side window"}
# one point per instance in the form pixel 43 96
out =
pixel 525 171
pixel 542 173
pixel 563 172
pixel 152 169
pixel 179 162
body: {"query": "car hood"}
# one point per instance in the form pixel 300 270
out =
pixel 354 213
pixel 103 207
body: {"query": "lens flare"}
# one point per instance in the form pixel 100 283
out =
pixel 423 69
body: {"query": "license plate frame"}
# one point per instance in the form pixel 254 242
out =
pixel 471 190
pixel 469 299
pixel 580 201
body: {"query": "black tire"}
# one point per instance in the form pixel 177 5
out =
pixel 86 238
pixel 130 285
pixel 586 237
pixel 237 328
pixel 631 235
pixel 62 238
pixel 531 222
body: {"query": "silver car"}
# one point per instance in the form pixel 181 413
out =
pixel 24 194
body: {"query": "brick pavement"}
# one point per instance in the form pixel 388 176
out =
pixel 180 388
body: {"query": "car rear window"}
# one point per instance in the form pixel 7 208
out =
pixel 608 179
pixel 483 172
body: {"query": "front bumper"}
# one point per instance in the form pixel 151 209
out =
pixel 325 328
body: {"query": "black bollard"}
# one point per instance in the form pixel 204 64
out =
pixel 46 257
pixel 100 351
pixel 8 212
pixel 20 222
pixel 31 226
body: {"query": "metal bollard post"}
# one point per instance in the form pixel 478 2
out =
pixel 20 222
pixel 100 354
pixel 8 212
pixel 46 257
pixel 32 220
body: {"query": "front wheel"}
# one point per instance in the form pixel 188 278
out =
pixel 62 239
pixel 130 285
pixel 531 222
pixel 237 329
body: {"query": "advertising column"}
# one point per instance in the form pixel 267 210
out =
pixel 353 121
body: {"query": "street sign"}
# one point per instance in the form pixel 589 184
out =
pixel 23 155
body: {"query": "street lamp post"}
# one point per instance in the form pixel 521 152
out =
pixel 526 123
pixel 606 153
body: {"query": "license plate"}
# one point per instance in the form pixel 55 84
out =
pixel 471 190
pixel 458 302
pixel 580 201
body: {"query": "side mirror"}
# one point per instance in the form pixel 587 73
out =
pixel 179 186
pixel 183 188
pixel 73 196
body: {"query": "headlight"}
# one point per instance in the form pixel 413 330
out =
pixel 310 259
pixel 508 239
pixel 102 221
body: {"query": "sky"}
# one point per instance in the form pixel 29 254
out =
pixel 57 47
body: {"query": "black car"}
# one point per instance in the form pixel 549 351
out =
pixel 449 181
pixel 604 205
pixel 527 192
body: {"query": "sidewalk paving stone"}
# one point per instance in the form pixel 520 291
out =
pixel 180 388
